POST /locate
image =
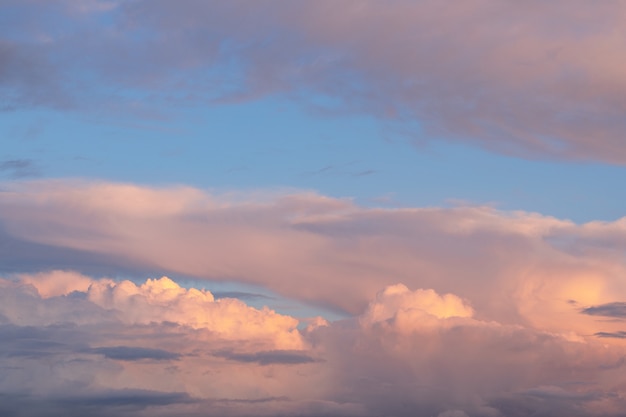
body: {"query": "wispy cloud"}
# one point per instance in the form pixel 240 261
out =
pixel 501 76
pixel 132 353
pixel 617 335
pixel 616 309
pixel 284 357
pixel 19 168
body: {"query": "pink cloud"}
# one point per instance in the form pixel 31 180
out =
pixel 537 79
pixel 410 352
pixel 515 267
pixel 460 365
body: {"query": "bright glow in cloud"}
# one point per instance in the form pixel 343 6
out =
pixel 404 307
pixel 56 283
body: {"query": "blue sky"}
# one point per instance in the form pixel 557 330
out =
pixel 277 143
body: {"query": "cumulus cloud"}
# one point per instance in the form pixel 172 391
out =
pixel 178 346
pixel 539 79
pixel 154 301
pixel 456 365
pixel 405 307
pixel 55 283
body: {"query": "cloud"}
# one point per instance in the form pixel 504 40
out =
pixel 409 352
pixel 242 295
pixel 55 283
pixel 449 310
pixel 618 335
pixel 513 267
pixel 458 365
pixel 129 353
pixel 19 168
pixel 406 307
pixel 103 404
pixel 266 358
pixel 135 398
pixel 164 300
pixel 156 300
pixel 501 76
pixel 616 309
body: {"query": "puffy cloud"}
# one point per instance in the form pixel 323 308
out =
pixel 501 75
pixel 164 300
pixel 180 347
pixel 56 283
pixel 456 365
pixel 404 307
pixel 154 301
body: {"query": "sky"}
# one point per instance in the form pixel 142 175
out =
pixel 312 208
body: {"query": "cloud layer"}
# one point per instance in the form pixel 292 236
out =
pixel 410 352
pixel 514 267
pixel 538 79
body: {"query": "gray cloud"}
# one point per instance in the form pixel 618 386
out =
pixel 19 255
pixel 615 335
pixel 123 402
pixel 130 353
pixel 137 399
pixel 37 342
pixel 283 357
pixel 617 310
pixel 241 295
